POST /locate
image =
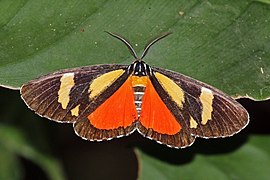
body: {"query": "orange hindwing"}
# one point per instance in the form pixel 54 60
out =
pixel 155 114
pixel 117 111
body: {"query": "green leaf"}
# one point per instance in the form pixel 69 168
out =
pixel 223 43
pixel 14 143
pixel 221 161
pixel 9 167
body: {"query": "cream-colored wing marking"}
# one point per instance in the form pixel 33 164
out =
pixel 101 83
pixel 67 82
pixel 193 123
pixel 206 99
pixel 175 91
pixel 75 111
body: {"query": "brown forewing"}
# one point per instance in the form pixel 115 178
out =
pixel 228 116
pixel 41 95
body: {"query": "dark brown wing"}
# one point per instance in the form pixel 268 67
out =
pixel 64 96
pixel 207 112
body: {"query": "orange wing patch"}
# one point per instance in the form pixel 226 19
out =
pixel 155 114
pixel 117 111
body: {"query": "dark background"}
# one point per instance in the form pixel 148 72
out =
pixel 114 159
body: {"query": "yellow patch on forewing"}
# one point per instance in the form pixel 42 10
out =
pixel 193 123
pixel 67 82
pixel 99 84
pixel 75 111
pixel 175 91
pixel 206 99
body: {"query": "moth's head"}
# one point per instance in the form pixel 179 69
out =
pixel 146 48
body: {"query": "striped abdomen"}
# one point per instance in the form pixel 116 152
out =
pixel 138 94
pixel 139 84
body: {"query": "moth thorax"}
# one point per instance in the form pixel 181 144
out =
pixel 140 68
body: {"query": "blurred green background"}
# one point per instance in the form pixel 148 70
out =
pixel 223 43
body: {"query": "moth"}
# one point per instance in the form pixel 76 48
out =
pixel 110 101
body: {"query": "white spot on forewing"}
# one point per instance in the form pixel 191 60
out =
pixel 206 99
pixel 67 82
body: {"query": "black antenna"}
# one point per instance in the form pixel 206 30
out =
pixel 147 47
pixel 131 49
